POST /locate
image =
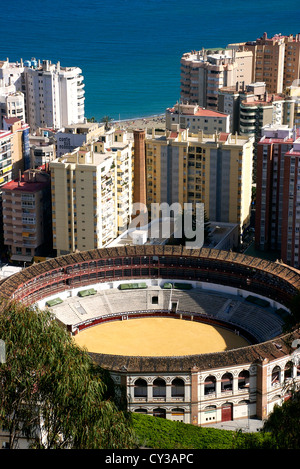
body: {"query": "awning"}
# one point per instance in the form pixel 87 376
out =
pixel 19 257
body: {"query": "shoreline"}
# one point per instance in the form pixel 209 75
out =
pixel 157 121
pixel 152 116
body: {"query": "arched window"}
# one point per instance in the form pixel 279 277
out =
pixel 159 388
pixel 141 411
pixel 177 389
pixel 209 385
pixel 159 413
pixel 288 370
pixel 276 398
pixel 276 375
pixel 243 379
pixel 244 402
pixel 140 388
pixel 226 382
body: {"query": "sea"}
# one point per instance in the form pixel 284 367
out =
pixel 129 51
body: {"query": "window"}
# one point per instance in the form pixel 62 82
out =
pixel 276 375
pixel 209 385
pixel 177 389
pixel 226 382
pixel 140 388
pixel 159 388
pixel 243 379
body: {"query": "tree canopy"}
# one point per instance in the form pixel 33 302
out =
pixel 51 392
pixel 283 424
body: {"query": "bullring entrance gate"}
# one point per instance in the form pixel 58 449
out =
pixel 227 412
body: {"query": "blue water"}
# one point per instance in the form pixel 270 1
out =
pixel 130 50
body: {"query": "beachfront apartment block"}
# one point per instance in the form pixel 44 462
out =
pixel 54 95
pixel 91 195
pixel 204 72
pixel 213 169
pixel 276 60
pixel 195 118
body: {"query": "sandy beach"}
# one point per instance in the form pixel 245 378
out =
pixel 156 122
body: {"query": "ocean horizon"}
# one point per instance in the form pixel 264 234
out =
pixel 129 50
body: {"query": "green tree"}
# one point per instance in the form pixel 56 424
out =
pixel 283 424
pixel 51 391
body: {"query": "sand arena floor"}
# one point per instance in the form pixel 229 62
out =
pixel 157 337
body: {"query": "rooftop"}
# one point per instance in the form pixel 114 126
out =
pixel 197 111
pixel 24 186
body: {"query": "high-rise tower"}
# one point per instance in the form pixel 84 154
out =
pixel 139 183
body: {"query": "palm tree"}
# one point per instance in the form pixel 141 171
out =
pixel 106 120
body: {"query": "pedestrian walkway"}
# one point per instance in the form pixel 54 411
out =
pixel 246 425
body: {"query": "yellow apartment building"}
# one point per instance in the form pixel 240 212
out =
pixel 5 156
pixel 91 196
pixel 213 169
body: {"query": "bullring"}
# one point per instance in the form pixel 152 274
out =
pixel 247 295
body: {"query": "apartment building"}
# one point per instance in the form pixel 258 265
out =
pixel 204 72
pixel 14 149
pixel 42 150
pixel 259 108
pixel 229 103
pixel 290 242
pixel 275 142
pixel 292 106
pixel 276 60
pixel 91 195
pixel 10 73
pixel 53 95
pixel 195 118
pixel 20 150
pixel 213 169
pixel 5 156
pixel 12 105
pixel 27 215
pixel 75 135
